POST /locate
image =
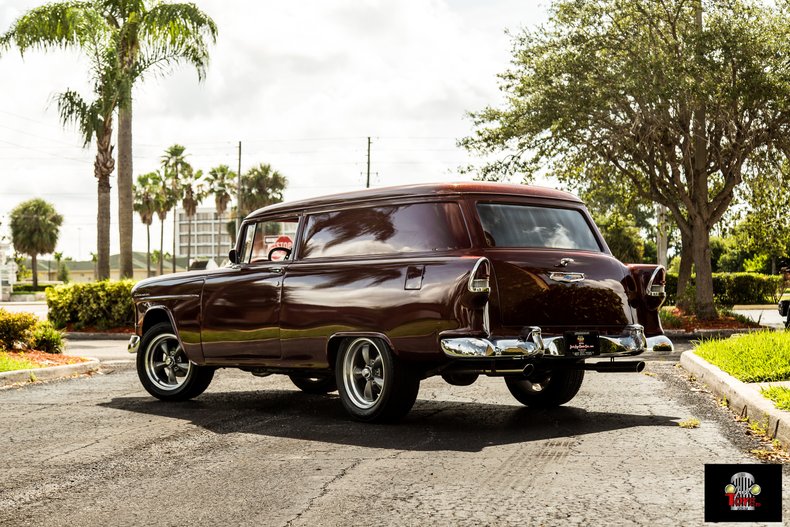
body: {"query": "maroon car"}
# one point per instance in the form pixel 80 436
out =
pixel 370 292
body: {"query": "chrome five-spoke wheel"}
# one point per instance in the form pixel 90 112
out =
pixel 363 373
pixel 164 368
pixel 166 364
pixel 374 384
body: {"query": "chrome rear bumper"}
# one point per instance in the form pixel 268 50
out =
pixel 631 342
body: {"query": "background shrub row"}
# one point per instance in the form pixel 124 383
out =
pixel 730 289
pixel 100 305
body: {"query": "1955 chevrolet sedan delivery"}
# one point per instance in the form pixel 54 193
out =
pixel 370 292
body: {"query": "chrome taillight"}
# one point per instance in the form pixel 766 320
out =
pixel 656 286
pixel 480 277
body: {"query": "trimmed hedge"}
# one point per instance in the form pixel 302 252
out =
pixel 28 288
pixel 101 305
pixel 730 289
pixel 24 331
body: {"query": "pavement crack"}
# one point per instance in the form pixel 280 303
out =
pixel 325 490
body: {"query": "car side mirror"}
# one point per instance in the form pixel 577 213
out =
pixel 233 257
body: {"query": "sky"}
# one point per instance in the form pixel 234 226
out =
pixel 301 84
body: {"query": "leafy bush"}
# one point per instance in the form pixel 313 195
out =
pixel 15 329
pixel 102 305
pixel 44 337
pixel 730 289
pixel 24 331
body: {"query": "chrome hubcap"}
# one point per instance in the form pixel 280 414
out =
pixel 166 364
pixel 364 374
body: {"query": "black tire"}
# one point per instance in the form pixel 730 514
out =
pixel 787 322
pixel 374 385
pixel 163 367
pixel 314 385
pixel 548 390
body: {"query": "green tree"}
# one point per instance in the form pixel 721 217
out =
pixel 145 193
pixel 623 237
pixel 35 226
pixel 174 165
pixel 261 186
pixel 764 226
pixel 676 96
pixel 130 38
pixel 221 183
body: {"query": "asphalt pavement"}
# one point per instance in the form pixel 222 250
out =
pixel 99 451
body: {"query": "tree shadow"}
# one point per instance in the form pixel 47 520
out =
pixel 430 426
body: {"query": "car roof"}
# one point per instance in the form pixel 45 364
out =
pixel 425 189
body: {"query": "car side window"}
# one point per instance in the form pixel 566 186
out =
pixel 270 240
pixel 385 230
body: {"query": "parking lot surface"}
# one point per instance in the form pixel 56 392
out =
pixel 99 451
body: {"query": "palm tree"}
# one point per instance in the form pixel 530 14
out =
pixel 130 37
pixel 261 186
pixel 165 199
pixel 193 193
pixel 221 183
pixel 35 226
pixel 174 164
pixel 145 206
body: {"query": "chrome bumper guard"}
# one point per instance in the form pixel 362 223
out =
pixel 631 342
pixel 134 344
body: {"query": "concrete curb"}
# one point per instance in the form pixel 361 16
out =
pixel 742 398
pixel 48 374
pixel 77 335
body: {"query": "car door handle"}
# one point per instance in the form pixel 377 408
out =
pixel 276 270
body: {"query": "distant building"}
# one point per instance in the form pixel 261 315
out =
pixel 210 237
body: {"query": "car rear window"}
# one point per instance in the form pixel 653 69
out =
pixel 385 230
pixel 508 225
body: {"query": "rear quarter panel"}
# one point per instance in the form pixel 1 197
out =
pixel 322 299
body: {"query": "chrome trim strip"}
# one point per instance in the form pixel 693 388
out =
pixel 134 344
pixel 168 297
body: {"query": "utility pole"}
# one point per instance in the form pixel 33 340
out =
pixel 238 195
pixel 367 184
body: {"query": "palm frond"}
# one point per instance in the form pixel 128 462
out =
pixel 60 24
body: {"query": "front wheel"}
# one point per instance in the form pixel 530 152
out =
pixel 547 390
pixel 165 371
pixel 374 385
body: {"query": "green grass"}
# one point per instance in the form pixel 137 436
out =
pixel 11 363
pixel 779 395
pixel 755 357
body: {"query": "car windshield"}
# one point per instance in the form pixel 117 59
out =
pixel 529 226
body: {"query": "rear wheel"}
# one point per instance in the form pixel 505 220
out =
pixel 546 390
pixel 374 385
pixel 316 385
pixel 165 371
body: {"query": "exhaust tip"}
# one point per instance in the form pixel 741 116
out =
pixel 529 369
pixel 640 366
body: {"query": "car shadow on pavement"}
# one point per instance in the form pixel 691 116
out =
pixel 431 425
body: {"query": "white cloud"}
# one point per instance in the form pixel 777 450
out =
pixel 302 84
